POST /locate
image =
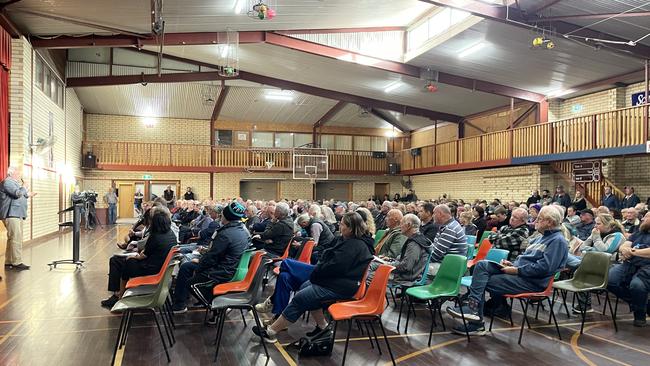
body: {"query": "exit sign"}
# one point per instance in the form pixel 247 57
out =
pixel 577 108
pixel 147 176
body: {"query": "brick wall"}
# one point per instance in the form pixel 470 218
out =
pixel 630 171
pixel 133 129
pixel 32 110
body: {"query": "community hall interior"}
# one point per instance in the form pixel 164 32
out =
pixel 324 182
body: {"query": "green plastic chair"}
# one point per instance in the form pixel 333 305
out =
pixel 378 235
pixel 591 276
pixel 446 285
pixel 155 301
pixel 486 233
pixel 242 267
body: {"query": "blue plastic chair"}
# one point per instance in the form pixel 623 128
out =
pixel 494 255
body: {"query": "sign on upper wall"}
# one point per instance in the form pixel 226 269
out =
pixel 638 98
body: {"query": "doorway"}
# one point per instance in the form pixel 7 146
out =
pixel 125 206
pixel 338 191
pixel 259 189
pixel 382 189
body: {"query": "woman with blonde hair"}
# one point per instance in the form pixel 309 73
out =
pixel 368 219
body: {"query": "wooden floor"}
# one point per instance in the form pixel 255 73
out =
pixel 54 318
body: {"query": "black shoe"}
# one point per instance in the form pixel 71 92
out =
pixel 21 267
pixel 8 265
pixel 314 332
pixel 110 302
pixel 639 323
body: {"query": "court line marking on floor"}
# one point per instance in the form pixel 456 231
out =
pixel 576 348
pixel 284 354
pixel 425 350
pixel 11 332
pixel 40 278
pixel 614 342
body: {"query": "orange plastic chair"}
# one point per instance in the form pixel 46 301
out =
pixel 305 255
pixel 285 255
pixel 369 308
pixel 481 254
pixel 532 297
pixel 243 285
pixel 494 229
pixel 153 279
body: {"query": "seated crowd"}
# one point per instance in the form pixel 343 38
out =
pixel 544 235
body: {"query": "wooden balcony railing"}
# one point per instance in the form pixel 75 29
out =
pixel 619 128
pixel 182 155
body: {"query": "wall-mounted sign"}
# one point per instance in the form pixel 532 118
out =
pixel 587 171
pixel 147 176
pixel 638 98
pixel 242 136
pixel 577 108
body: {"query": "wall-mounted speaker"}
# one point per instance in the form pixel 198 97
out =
pixel 393 168
pixel 416 152
pixel 90 161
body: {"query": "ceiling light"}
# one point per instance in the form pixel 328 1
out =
pixel 392 86
pixel 473 49
pixel 224 51
pixel 276 96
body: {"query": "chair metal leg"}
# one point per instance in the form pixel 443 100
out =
pixel 217 314
pixel 521 302
pixel 399 317
pixel 583 313
pixel 392 295
pixel 616 308
pixel 439 304
pixel 127 327
pixel 523 322
pixel 462 315
pixel 390 352
pixel 512 303
pixel 118 340
pixel 566 308
pixel 610 309
pixel 433 317
pixel 554 320
pixel 170 313
pixel 162 338
pixel 170 336
pixel 368 332
pixel 539 304
pixel 259 326
pixel 408 315
pixel 220 321
pixel 492 320
pixel 243 318
pixel 347 341
pixel 372 327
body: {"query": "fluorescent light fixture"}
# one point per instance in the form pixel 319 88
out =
pixel 149 121
pixel 472 49
pixel 224 50
pixel 392 86
pixel 239 6
pixel 391 133
pixel 286 98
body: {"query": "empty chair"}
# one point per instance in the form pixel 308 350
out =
pixel 369 308
pixel 481 253
pixel 494 255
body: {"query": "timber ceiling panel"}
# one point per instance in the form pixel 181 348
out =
pixel 296 66
pixel 508 59
pixel 252 105
pixel 213 15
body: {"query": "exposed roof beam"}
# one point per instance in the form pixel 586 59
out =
pixel 524 116
pixel 80 22
pixel 350 98
pixel 343 30
pixel 220 101
pixel 7 3
pixel 389 119
pixel 597 16
pixel 8 25
pixel 514 17
pixel 470 124
pixel 330 114
pixel 543 5
pixel 398 67
pixel 142 79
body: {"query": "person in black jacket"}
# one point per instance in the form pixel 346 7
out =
pixel 534 198
pixel 429 227
pixel 275 238
pixel 630 199
pixel 479 220
pixel 561 197
pixel 219 263
pixel 337 276
pixel 189 195
pixel 148 262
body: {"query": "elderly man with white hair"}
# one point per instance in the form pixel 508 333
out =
pixel 277 235
pixel 14 193
pixel 530 272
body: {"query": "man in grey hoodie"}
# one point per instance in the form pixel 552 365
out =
pixel 415 252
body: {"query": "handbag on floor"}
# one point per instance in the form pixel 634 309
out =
pixel 320 344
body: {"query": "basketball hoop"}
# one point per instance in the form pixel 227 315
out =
pixel 312 178
pixel 269 164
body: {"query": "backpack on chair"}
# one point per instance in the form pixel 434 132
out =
pixel 320 344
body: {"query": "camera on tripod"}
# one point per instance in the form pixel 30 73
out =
pixel 89 196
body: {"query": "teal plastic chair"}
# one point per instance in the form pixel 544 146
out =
pixel 494 255
pixel 150 303
pixel 242 267
pixel 446 285
pixel 471 239
pixel 378 236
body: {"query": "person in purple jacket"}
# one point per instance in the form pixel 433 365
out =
pixel 530 272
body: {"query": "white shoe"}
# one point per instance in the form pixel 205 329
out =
pixel 264 307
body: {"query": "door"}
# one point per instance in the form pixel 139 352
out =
pixel 381 189
pixel 125 206
pixel 259 190
pixel 338 191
